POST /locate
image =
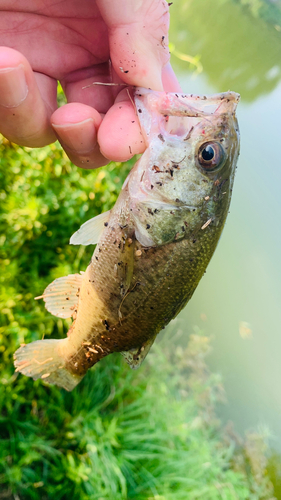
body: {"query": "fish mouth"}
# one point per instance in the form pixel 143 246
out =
pixel 175 114
pixel 195 106
pixel 191 105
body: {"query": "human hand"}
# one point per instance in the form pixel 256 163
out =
pixel 73 41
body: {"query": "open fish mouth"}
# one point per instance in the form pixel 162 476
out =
pixel 192 105
pixel 196 106
pixel 178 114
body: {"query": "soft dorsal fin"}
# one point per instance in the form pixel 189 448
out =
pixel 89 233
pixel 61 296
pixel 135 357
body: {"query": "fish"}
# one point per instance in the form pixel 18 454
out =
pixel 153 246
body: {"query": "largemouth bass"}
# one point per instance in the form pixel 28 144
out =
pixel 154 245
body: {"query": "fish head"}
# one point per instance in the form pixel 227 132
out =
pixel 190 160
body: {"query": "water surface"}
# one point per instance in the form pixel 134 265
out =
pixel 238 301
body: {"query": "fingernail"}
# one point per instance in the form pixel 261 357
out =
pixel 13 86
pixel 79 137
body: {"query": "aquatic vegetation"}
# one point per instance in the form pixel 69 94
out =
pixel 121 434
pixel 242 61
pixel 194 62
pixel 270 10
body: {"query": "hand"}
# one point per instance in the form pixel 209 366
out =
pixel 73 41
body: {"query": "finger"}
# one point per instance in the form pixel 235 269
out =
pixel 169 79
pixel 119 135
pixel 24 114
pixel 76 128
pixel 80 86
pixel 138 37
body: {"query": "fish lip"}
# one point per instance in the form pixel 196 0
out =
pixel 220 103
pixel 228 102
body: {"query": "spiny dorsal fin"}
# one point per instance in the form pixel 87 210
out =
pixel 135 357
pixel 61 296
pixel 89 233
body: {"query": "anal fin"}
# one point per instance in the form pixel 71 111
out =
pixel 61 296
pixel 135 357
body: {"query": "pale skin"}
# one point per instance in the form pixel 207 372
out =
pixel 78 42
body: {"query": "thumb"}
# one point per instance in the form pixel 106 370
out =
pixel 138 38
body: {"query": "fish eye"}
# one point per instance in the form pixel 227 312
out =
pixel 211 156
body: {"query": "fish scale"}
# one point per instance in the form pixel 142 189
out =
pixel 170 285
pixel 153 247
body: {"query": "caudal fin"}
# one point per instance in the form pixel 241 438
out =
pixel 43 359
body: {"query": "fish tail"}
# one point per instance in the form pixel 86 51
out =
pixel 43 359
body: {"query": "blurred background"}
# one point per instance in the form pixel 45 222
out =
pixel 237 46
pixel 163 432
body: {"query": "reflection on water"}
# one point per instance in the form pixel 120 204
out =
pixel 239 299
pixel 236 49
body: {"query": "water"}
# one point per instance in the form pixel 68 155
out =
pixel 238 302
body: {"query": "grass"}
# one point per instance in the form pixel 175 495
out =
pixel 125 435
pixel 121 434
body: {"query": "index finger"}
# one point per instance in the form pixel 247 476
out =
pixel 138 39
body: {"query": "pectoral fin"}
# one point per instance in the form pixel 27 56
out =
pixel 135 357
pixel 61 296
pixel 89 233
pixel 142 235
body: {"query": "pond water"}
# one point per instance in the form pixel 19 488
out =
pixel 238 302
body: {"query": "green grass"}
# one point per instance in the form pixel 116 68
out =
pixel 121 434
pixel 125 435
